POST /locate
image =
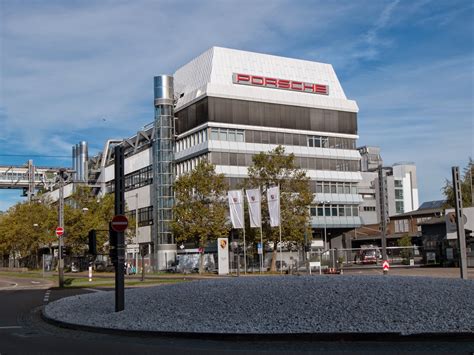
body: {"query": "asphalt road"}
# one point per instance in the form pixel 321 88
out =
pixel 22 331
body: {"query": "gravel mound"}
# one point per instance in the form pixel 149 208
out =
pixel 283 305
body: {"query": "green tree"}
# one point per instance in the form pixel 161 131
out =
pixel 26 228
pixel 277 168
pixel 200 211
pixel 85 211
pixel 405 253
pixel 467 180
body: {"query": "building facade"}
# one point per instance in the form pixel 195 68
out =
pixel 229 105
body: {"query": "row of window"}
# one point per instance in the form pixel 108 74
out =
pixel 14 176
pixel 245 159
pixel 191 140
pixel 369 208
pixel 333 187
pixel 264 137
pixel 189 165
pixel 135 179
pixel 226 134
pixel 145 215
pixel 334 211
pixel 215 109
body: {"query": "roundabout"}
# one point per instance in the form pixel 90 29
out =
pixel 321 306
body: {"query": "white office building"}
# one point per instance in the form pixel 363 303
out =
pixel 229 105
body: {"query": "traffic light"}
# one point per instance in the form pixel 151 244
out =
pixel 92 242
pixel 112 244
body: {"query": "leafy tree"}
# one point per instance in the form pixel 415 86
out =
pixel 405 241
pixel 277 168
pixel 85 211
pixel 25 228
pixel 467 180
pixel 200 211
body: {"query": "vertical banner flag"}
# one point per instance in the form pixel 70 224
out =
pixel 236 207
pixel 255 208
pixel 273 197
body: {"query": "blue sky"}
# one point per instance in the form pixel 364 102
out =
pixel 83 70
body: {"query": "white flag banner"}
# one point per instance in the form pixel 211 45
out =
pixel 255 207
pixel 236 207
pixel 273 198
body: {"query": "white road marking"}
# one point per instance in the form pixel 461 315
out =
pixel 94 290
pixel 13 285
pixel 11 327
pixel 35 282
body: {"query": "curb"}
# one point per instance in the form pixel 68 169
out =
pixel 373 337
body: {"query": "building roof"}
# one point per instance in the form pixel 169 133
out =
pixel 432 204
pixel 211 74
pixel 418 212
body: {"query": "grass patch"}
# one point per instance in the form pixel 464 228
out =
pixel 80 282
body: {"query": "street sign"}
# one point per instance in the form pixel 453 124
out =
pixel 259 248
pixel 386 265
pixel 119 223
pixel 451 226
pixel 59 231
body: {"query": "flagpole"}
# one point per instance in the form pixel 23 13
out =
pixel 261 244
pixel 279 224
pixel 245 247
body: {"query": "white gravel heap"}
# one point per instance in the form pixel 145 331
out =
pixel 283 305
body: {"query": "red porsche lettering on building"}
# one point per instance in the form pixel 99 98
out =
pixel 275 83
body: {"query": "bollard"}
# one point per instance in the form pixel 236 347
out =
pixel 90 273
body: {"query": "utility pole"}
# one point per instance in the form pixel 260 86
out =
pixel 120 247
pixel 62 176
pixel 383 217
pixel 460 222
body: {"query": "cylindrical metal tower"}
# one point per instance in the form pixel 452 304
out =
pixel 163 171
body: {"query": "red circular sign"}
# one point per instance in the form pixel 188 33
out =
pixel 119 223
pixel 59 231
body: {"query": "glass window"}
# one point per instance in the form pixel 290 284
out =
pixel 240 136
pixel 341 211
pixel 347 188
pixel 398 183
pixel 320 211
pixel 398 194
pixel 223 134
pixel 324 142
pixel 232 136
pixel 313 211
pixel 327 211
pixel 355 211
pixel 354 189
pixel 348 210
pixel 326 187
pixel 317 141
pixel 333 188
pixel 334 211
pixel 215 134
pixel 399 206
pixel 319 187
pixel 310 142
pixel 340 188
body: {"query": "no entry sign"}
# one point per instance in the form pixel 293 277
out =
pixel 119 223
pixel 59 231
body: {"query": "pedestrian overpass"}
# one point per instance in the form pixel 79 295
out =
pixel 27 177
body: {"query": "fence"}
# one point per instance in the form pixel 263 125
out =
pixel 371 257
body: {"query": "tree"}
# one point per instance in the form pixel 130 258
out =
pixel 405 253
pixel 25 229
pixel 85 211
pixel 467 180
pixel 200 211
pixel 277 168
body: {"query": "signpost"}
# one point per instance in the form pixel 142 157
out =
pixel 119 223
pixel 59 232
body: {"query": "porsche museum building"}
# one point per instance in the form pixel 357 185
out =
pixel 225 106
